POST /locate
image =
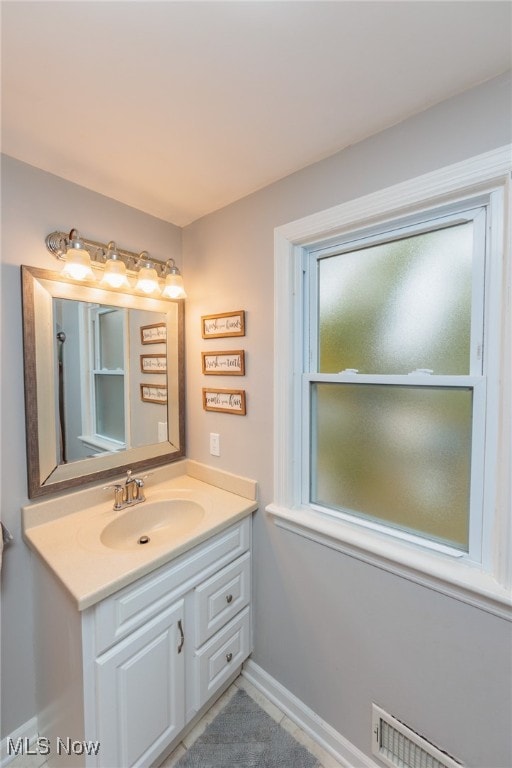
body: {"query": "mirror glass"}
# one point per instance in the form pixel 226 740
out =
pixel 104 381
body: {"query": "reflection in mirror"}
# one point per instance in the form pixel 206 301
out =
pixel 104 381
pixel 98 356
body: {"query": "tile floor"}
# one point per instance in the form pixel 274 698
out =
pixel 325 760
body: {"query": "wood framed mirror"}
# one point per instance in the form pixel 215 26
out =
pixel 89 355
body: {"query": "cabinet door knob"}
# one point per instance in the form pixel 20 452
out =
pixel 229 598
pixel 229 656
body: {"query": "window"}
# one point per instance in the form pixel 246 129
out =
pixel 392 369
pixel 103 358
pixel 395 353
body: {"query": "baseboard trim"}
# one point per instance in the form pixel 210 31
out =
pixel 325 735
pixel 26 731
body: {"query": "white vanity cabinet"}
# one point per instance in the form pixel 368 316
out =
pixel 133 670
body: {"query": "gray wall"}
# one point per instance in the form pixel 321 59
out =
pixel 34 204
pixel 338 633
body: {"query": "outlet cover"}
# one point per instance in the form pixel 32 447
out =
pixel 214 444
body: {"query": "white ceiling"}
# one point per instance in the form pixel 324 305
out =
pixel 179 108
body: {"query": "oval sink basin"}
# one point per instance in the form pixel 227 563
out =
pixel 152 523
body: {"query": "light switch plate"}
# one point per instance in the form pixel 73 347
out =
pixel 214 444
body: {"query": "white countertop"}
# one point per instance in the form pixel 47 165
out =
pixel 65 532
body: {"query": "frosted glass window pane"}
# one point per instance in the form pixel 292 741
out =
pixel 111 340
pixel 398 455
pixel 399 306
pixel 110 406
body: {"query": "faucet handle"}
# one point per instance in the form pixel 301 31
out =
pixel 144 477
pixel 139 493
pixel 130 477
pixel 118 494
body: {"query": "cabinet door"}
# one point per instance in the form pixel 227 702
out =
pixel 140 692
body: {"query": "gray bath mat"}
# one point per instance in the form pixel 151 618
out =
pixel 244 736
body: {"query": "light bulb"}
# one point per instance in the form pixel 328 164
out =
pixel 78 262
pixel 174 288
pixel 147 280
pixel 115 273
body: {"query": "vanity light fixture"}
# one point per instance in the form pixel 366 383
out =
pixel 82 257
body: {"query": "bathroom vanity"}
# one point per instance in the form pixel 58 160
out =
pixel 134 644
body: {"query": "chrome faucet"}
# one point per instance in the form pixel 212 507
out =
pixel 128 493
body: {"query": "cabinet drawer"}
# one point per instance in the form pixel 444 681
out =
pixel 221 597
pixel 133 606
pixel 219 658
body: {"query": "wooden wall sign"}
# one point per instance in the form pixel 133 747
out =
pixel 231 362
pixel 225 324
pixel 153 393
pixel 153 363
pixel 153 334
pixel 224 400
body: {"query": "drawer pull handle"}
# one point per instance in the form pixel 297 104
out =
pixel 229 656
pixel 229 598
pixel 182 636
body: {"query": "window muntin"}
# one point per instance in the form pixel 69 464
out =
pixel 449 254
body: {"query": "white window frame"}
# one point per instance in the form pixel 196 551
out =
pixel 434 220
pixel 481 180
pixel 90 345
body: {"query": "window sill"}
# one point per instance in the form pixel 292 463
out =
pixel 451 577
pixel 101 443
